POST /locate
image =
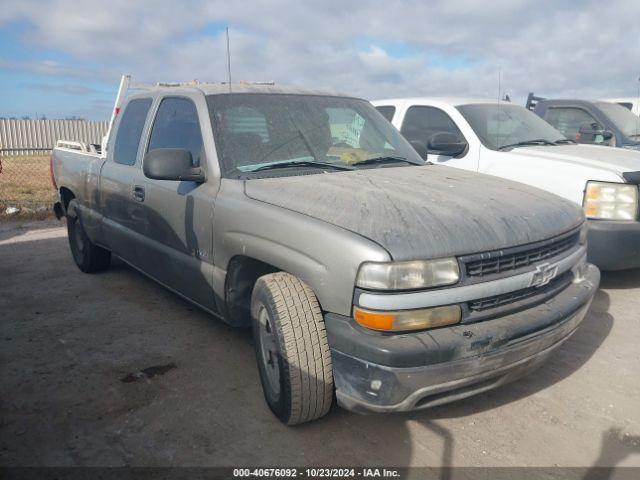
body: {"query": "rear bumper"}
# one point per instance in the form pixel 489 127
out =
pixel 614 245
pixel 378 373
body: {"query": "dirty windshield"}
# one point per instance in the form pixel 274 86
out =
pixel 501 126
pixel 293 134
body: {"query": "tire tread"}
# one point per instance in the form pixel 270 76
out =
pixel 305 347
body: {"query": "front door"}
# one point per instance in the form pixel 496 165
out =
pixel 179 214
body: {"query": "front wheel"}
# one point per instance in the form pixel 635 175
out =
pixel 291 348
pixel 88 256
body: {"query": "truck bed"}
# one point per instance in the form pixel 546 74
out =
pixel 77 171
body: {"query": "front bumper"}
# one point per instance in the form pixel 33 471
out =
pixel 614 245
pixel 385 373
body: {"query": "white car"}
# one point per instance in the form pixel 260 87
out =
pixel 509 141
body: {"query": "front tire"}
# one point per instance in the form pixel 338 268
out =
pixel 88 256
pixel 292 351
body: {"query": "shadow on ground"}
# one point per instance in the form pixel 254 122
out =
pixel 621 280
pixel 616 447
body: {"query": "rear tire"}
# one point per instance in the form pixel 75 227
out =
pixel 292 351
pixel 88 256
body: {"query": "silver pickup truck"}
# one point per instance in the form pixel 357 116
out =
pixel 362 270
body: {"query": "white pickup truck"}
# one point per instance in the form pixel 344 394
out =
pixel 509 141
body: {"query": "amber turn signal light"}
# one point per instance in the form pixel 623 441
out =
pixel 407 320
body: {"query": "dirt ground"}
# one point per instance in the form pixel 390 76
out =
pixel 25 184
pixel 71 392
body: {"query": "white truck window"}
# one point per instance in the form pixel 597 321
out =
pixel 421 123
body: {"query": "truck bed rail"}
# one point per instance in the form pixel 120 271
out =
pixel 79 146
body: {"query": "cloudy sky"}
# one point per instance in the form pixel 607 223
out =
pixel 64 57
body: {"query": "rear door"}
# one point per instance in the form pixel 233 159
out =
pixel 179 214
pixel 122 210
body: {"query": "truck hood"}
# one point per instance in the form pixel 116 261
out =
pixel 614 160
pixel 423 212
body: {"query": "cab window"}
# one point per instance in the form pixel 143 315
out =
pixel 422 123
pixel 247 121
pixel 569 120
pixel 177 126
pixel 130 128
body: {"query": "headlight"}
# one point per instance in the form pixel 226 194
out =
pixel 408 275
pixel 407 320
pixel 611 201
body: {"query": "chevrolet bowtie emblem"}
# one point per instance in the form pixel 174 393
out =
pixel 544 274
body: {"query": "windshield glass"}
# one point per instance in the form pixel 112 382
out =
pixel 258 131
pixel 501 125
pixel 624 119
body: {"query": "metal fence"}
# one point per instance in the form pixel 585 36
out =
pixel 25 184
pixel 38 137
pixel 25 145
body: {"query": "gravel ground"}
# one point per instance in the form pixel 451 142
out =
pixel 111 369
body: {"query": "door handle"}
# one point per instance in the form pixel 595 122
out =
pixel 138 193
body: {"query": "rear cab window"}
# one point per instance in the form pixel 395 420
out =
pixel 125 150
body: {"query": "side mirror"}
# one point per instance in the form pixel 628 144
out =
pixel 171 164
pixel 447 144
pixel 419 147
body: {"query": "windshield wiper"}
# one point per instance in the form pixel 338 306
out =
pixel 301 163
pixel 537 141
pixel 565 141
pixel 384 159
